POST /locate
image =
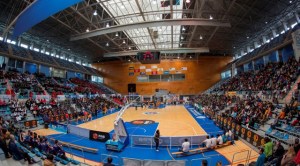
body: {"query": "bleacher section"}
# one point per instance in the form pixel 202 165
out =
pixel 37 57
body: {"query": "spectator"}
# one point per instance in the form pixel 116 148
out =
pixel 288 158
pixel 204 163
pixel 268 148
pixel 3 144
pixel 296 145
pixel 220 139
pixel 185 147
pixel 49 160
pixel 207 142
pixel 109 162
pixel 213 141
pixel 261 159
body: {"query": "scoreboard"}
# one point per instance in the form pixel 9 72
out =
pixel 148 57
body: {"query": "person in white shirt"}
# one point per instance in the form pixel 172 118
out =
pixel 213 141
pixel 207 142
pixel 220 140
pixel 185 146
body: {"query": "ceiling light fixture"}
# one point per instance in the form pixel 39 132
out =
pixel 181 37
pixel 211 17
pixel 183 28
pixel 107 25
pixel 117 34
pixel 95 13
pixel 154 2
pixel 201 37
pixel 291 1
pixel 187 1
pixel 124 42
pixel 129 48
pixel 247 37
pixel 122 6
pixel 131 21
pixel 107 44
pixel 87 30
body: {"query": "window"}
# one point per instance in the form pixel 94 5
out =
pixel 36 49
pixel 24 45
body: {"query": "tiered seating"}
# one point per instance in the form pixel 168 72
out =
pixel 64 63
pixel 84 86
pixel 19 51
pixel 276 77
pixel 3 47
pixel 23 84
pixel 52 87
pixel 105 89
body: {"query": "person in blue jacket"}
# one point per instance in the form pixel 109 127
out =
pixel 261 159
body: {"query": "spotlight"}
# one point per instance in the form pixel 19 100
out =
pixel 87 30
pixel 201 37
pixel 107 44
pixel 117 34
pixel 210 17
pixel 187 1
pixel 107 25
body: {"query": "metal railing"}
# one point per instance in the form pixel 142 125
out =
pixel 166 141
pixel 241 160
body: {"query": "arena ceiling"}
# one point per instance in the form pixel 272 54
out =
pixel 118 26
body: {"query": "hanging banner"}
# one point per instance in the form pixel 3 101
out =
pixel 42 97
pixel 61 97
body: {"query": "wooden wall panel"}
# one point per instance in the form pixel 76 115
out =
pixel 200 75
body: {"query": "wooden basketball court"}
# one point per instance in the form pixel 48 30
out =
pixel 173 121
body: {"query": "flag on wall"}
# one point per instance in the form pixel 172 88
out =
pixel 183 68
pixel 154 72
pixel 172 69
pixel 136 70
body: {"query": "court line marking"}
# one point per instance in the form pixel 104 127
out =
pixel 170 153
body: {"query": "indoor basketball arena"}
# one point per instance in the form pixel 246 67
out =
pixel 149 82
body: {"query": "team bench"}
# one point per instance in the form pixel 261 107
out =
pixel 200 150
pixel 78 147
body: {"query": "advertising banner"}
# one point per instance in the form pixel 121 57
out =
pixel 99 136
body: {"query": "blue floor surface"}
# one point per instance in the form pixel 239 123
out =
pixel 207 124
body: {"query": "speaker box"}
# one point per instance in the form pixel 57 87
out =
pixel 131 87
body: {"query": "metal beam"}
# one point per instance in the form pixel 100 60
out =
pixel 197 15
pixel 142 14
pixel 217 28
pixel 162 51
pixel 157 23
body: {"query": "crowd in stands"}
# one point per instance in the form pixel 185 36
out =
pixel 20 145
pixel 274 77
